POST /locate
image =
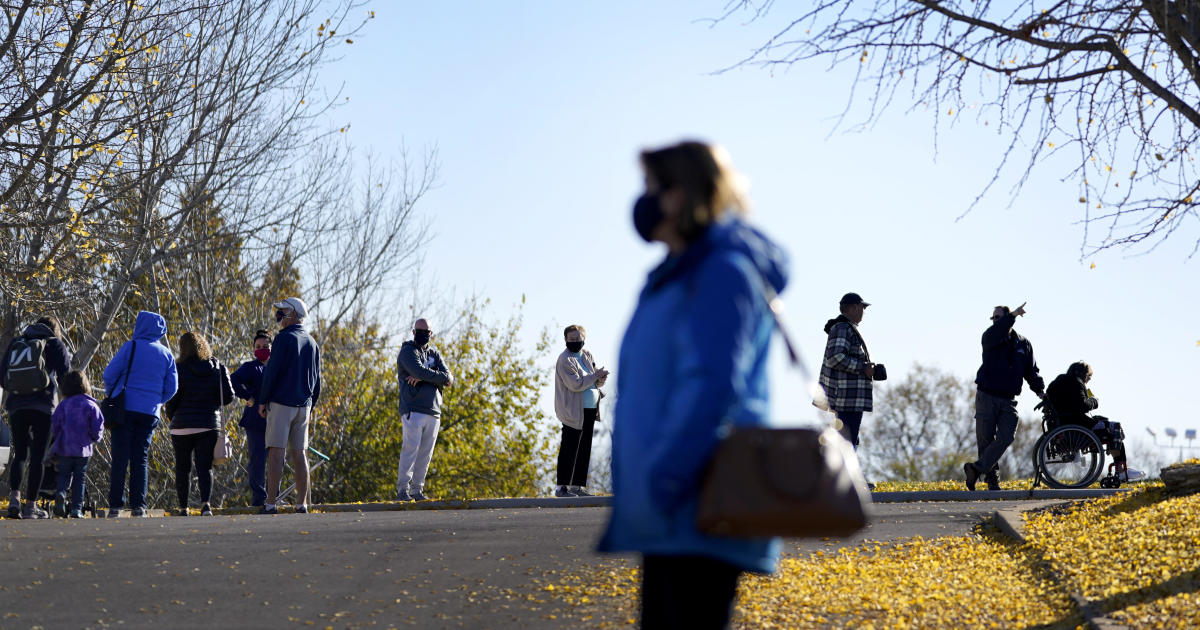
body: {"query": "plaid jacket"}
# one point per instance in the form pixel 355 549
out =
pixel 846 387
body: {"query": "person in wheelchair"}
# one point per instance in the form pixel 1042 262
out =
pixel 1071 400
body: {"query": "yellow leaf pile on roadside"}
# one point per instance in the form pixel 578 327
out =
pixel 1134 555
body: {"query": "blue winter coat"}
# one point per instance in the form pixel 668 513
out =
pixel 152 377
pixel 693 360
pixel 247 380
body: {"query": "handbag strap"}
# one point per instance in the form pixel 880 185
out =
pixel 775 305
pixel 129 365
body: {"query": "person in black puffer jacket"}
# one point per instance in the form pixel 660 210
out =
pixel 29 413
pixel 195 415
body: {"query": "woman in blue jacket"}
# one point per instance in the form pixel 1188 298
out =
pixel 693 361
pixel 247 380
pixel 152 381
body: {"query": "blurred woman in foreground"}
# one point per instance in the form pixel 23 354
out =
pixel 693 360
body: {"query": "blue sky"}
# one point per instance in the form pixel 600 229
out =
pixel 538 110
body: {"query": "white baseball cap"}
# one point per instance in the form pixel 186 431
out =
pixel 294 304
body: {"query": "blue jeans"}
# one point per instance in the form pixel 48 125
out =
pixel 71 473
pixel 256 448
pixel 130 447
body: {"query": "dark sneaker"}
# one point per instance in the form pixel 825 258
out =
pixel 76 514
pixel 114 512
pixel 269 509
pixel 419 495
pixel 580 492
pixel 206 510
pixel 30 510
pixel 562 492
pixel 60 506
pixel 137 512
pixel 180 512
pixel 14 510
pixel 301 509
pixel 993 483
pixel 972 475
pixel 403 495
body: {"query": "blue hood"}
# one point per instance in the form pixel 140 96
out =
pixel 149 326
pixel 730 234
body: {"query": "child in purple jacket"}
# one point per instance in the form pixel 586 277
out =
pixel 74 428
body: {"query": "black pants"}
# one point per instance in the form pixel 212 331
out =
pixel 575 451
pixel 30 437
pixel 851 420
pixel 692 592
pixel 198 446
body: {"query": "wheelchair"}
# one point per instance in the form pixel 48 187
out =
pixel 1070 455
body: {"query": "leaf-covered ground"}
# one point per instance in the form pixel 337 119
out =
pixel 1136 556
pixel 952 582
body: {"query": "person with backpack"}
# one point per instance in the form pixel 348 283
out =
pixel 75 427
pixel 145 371
pixel 247 380
pixel 195 414
pixel 29 372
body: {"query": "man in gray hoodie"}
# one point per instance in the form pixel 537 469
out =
pixel 422 375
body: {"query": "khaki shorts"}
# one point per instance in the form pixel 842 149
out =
pixel 287 427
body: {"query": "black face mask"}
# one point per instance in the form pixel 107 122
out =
pixel 647 214
pixel 422 337
pixel 574 346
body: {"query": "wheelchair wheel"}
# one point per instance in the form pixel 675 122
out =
pixel 1069 456
pixel 1038 475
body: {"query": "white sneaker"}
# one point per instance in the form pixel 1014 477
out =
pixel 1132 474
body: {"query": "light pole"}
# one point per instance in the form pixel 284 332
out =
pixel 1188 435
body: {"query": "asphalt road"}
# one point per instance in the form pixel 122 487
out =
pixel 427 569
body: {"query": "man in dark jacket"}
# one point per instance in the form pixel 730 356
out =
pixel 1072 401
pixel 1007 360
pixel 422 375
pixel 291 385
pixel 29 373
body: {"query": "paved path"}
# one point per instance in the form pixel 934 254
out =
pixel 428 569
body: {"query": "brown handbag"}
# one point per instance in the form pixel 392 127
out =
pixel 798 482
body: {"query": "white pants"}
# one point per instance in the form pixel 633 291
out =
pixel 420 434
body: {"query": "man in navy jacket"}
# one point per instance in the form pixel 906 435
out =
pixel 291 385
pixel 1007 360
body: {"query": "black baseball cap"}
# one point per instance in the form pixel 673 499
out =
pixel 852 298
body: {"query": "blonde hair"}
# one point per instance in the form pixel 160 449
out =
pixel 704 174
pixel 193 346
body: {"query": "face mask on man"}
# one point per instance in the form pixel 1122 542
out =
pixel 647 214
pixel 574 346
pixel 262 354
pixel 422 337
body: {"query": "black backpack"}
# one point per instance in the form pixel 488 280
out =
pixel 27 372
